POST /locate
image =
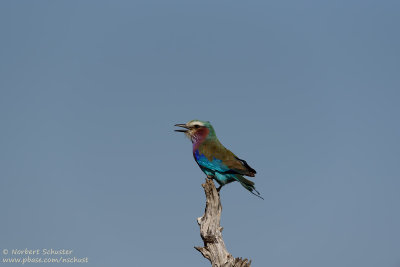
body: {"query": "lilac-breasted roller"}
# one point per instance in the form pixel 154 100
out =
pixel 214 159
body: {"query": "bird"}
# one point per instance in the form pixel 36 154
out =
pixel 216 161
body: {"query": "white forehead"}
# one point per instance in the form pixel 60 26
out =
pixel 194 123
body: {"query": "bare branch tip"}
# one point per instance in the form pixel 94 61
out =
pixel 211 232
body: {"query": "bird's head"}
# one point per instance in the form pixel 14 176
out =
pixel 197 130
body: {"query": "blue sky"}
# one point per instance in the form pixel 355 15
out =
pixel 307 92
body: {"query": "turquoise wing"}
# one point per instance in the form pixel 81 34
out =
pixel 215 165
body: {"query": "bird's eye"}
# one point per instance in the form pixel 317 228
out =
pixel 197 126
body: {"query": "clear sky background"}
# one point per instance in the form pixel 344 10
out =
pixel 306 91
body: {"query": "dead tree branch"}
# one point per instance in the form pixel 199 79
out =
pixel 210 230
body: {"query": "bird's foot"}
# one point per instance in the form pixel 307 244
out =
pixel 219 188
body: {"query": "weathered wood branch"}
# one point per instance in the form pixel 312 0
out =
pixel 210 230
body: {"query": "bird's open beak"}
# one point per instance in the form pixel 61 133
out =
pixel 183 126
